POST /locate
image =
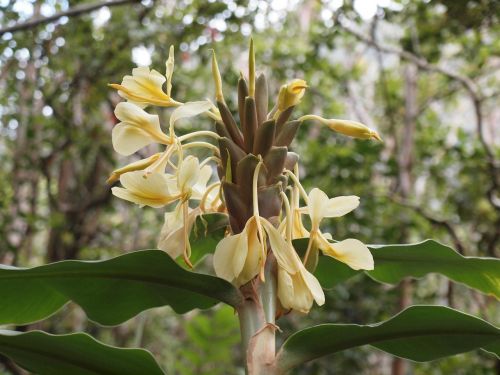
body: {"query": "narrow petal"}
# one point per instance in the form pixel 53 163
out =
pixel 351 252
pixel 339 206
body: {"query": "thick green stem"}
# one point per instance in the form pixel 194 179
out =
pixel 257 322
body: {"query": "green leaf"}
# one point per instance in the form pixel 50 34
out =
pixel 207 231
pixel 419 333
pixel 75 354
pixel 395 262
pixel 110 291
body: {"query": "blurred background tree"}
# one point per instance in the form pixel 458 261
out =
pixel 425 74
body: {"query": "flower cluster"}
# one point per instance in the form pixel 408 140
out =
pixel 251 176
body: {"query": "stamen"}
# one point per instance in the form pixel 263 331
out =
pixel 289 217
pixel 201 144
pixel 201 133
pixel 205 195
pixel 187 245
pixel 299 185
pixel 260 232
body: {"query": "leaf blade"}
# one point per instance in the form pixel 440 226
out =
pixel 110 291
pixel 76 354
pixel 419 333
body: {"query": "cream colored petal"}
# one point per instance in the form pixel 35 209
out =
pixel 200 186
pixel 314 286
pixel 318 202
pixel 128 196
pixel 187 173
pixel 293 292
pixel 230 255
pixel 285 254
pixel 339 206
pixel 251 267
pixel 298 229
pixel 189 109
pixel 351 252
pixel 133 115
pixel 128 139
pixel 169 69
pixel 137 129
pixel 285 288
pixel 151 191
pixel 172 239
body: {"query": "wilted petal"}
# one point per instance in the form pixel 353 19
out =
pixel 351 252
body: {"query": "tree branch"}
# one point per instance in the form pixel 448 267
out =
pixel 469 85
pixel 72 12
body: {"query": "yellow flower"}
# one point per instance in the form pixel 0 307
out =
pixel 135 166
pixel 291 94
pixel 144 87
pixel 352 252
pixel 173 233
pixel 136 130
pixel 151 191
pixel 297 287
pixel 350 128
pixel 237 258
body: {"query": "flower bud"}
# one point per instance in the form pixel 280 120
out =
pixel 291 94
pixel 350 128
